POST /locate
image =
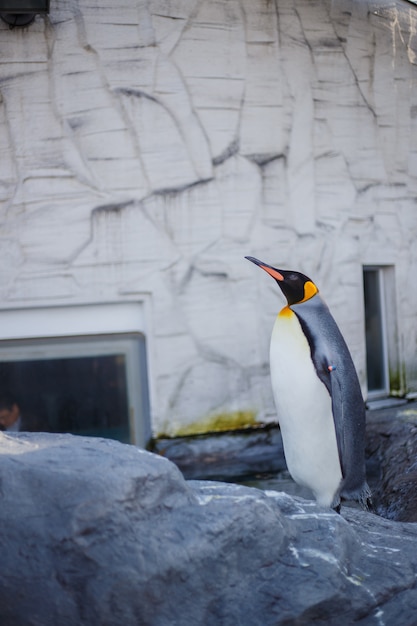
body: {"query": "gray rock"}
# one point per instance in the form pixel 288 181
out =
pixel 226 455
pixel 94 532
pixel 392 462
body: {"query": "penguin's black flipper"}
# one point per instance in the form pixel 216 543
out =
pixel 338 413
pixel 335 368
pixel 349 423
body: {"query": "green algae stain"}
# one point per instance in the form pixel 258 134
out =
pixel 219 422
pixel 395 382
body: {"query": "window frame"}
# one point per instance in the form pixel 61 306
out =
pixel 86 330
pixel 395 377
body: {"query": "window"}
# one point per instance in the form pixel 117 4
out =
pixel 93 384
pixel 376 356
pixel 381 335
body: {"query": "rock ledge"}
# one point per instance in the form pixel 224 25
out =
pixel 97 532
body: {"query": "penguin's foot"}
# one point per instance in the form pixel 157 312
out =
pixel 337 508
pixel 365 499
pixel 368 505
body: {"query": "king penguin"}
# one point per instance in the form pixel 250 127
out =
pixel 317 395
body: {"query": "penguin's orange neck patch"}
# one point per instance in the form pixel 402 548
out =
pixel 286 312
pixel 310 290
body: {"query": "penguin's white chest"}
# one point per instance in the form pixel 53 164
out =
pixel 304 411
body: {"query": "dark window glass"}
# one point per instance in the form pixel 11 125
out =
pixel 375 357
pixel 86 385
pixel 81 395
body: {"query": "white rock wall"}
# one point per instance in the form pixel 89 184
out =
pixel 146 147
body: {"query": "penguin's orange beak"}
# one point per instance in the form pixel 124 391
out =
pixel 268 268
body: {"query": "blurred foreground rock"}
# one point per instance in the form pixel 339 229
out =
pixel 94 532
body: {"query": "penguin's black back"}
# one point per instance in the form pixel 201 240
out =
pixel 329 350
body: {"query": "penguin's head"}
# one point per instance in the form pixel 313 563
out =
pixel 295 286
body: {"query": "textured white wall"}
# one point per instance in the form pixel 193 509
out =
pixel 146 147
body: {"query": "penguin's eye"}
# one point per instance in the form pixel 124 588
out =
pixel 293 277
